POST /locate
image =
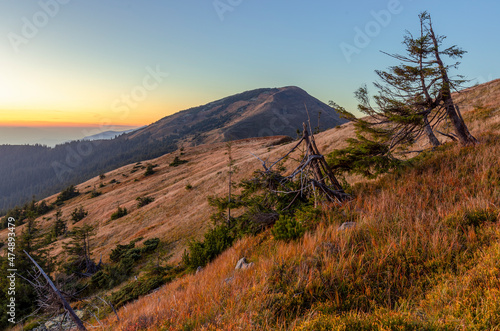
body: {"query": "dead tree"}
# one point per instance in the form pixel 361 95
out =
pixel 230 184
pixel 58 294
pixel 313 173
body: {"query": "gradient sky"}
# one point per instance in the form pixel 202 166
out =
pixel 89 62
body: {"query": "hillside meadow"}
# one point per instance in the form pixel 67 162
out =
pixel 423 255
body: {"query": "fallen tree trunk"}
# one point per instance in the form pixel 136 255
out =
pixel 66 305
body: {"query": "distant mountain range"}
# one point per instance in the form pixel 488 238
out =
pixel 106 135
pixel 27 171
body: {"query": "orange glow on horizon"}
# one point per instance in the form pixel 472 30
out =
pixel 65 124
pixel 70 119
pixel 87 118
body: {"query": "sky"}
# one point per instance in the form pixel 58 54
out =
pixel 118 64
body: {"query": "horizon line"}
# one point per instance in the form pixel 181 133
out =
pixel 49 124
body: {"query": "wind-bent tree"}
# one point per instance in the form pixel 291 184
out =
pixel 412 99
pixel 447 84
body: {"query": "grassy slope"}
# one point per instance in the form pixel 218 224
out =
pixel 394 266
pixel 415 260
pixel 177 214
pixel 408 262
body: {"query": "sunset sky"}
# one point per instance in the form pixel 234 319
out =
pixel 129 63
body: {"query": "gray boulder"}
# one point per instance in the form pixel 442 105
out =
pixel 243 264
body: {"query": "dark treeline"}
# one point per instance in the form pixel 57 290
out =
pixel 38 171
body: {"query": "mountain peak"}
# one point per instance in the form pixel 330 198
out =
pixel 254 113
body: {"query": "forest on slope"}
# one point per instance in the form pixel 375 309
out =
pixel 39 171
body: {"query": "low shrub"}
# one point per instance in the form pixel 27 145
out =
pixel 78 214
pixel 124 258
pixel 150 245
pixel 216 240
pixel 143 201
pixel 150 170
pixel 69 193
pixel 132 291
pixel 120 212
pixel 287 228
pixel 177 162
pixel 120 251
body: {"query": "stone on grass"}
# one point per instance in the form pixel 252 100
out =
pixel 243 264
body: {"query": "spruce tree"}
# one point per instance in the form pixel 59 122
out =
pixel 412 98
pixel 59 227
pixel 78 251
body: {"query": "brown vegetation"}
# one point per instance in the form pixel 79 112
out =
pixel 389 268
pixel 408 246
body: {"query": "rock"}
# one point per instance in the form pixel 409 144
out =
pixel 68 324
pixel 346 225
pixel 199 269
pixel 243 264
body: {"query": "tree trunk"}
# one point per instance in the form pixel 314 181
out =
pixel 430 133
pixel 458 123
pixel 310 150
pixel 229 198
pixel 428 99
pixel 453 112
pixel 320 164
pixel 66 305
pixel 230 165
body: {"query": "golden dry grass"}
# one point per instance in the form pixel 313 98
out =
pixel 397 253
pixel 400 220
pixel 394 263
pixel 177 214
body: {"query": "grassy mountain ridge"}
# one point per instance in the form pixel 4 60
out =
pixel 256 113
pixel 27 171
pixel 416 261
pixel 176 211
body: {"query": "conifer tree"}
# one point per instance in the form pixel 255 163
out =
pixel 78 251
pixel 28 239
pixel 412 98
pixel 78 214
pixel 59 226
